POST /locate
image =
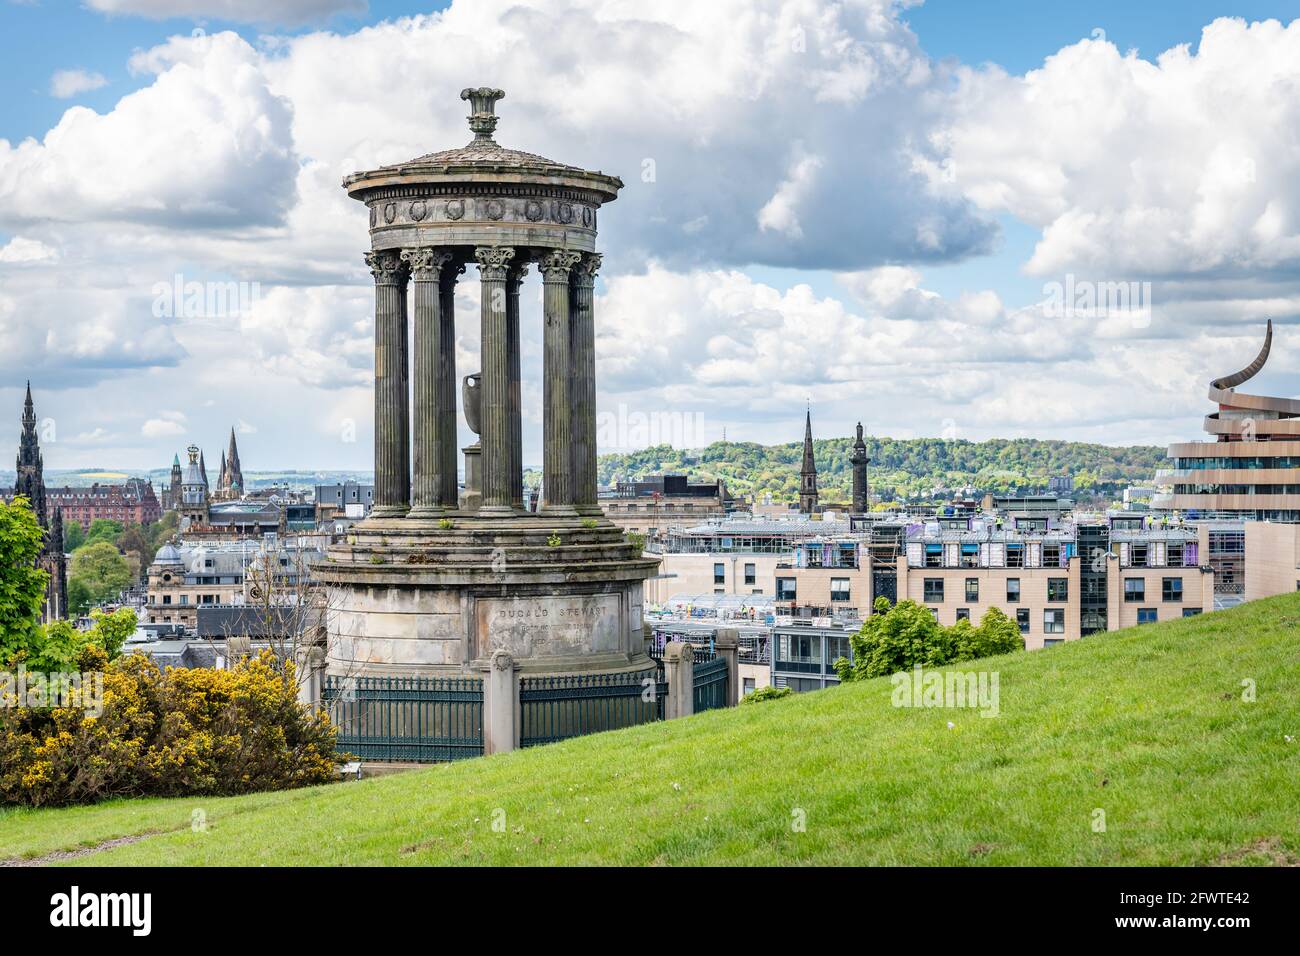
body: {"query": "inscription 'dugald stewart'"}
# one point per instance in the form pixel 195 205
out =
pixel 556 625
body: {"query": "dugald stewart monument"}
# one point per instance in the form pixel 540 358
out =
pixel 436 582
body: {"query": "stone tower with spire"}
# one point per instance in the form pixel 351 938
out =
pixel 30 484
pixel 174 488
pixel 194 490
pixel 231 485
pixel 808 472
pixel 31 463
pixel 859 461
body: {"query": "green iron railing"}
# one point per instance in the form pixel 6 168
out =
pixel 710 684
pixel 417 719
pixel 556 708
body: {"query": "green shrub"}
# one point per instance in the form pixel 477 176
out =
pixel 166 733
pixel 766 693
pixel 996 634
pixel 898 638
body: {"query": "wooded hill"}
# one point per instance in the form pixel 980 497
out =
pixel 900 468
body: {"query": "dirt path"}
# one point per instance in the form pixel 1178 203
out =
pixel 59 856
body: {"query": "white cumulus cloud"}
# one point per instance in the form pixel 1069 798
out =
pixel 1187 165
pixel 68 83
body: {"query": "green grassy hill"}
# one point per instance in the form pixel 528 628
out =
pixel 900 468
pixel 1148 725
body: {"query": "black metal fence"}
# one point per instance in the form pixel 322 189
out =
pixel 556 708
pixel 420 719
pixel 710 683
pixel 438 719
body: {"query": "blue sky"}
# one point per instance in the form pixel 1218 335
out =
pixel 813 210
pixel 42 36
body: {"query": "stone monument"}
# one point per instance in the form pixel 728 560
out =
pixel 433 582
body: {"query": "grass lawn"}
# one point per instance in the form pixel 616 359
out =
pixel 1147 725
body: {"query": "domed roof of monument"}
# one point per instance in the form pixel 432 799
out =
pixel 168 554
pixel 483 157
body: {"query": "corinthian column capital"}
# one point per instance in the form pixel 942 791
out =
pixel 515 277
pixel 585 272
pixel 493 261
pixel 426 262
pixel 386 267
pixel 555 266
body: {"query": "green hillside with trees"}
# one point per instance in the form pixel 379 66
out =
pixel 901 469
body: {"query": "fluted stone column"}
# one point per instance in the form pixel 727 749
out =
pixel 392 480
pixel 445 454
pixel 514 279
pixel 582 384
pixel 557 468
pixel 497 429
pixel 426 265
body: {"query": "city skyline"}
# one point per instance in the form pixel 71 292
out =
pixel 909 259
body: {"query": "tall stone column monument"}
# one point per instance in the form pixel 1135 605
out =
pixel 434 581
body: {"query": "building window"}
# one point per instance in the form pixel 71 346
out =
pixel 1054 621
pixel 1013 590
pixel 1191 611
pixel 835 647
pixel 785 589
pixel 1147 615
pixel 1171 589
pixel 167 599
pixel 934 590
pixel 839 589
pixel 1015 556
pixel 963 614
pixel 1051 555
pixel 1135 589
pixel 1058 589
pixel 1138 556
pixel 934 612
pixel 797 649
pixel 1022 619
pixel 719 574
pixel 972 589
pixel 751 574
pixel 1051 641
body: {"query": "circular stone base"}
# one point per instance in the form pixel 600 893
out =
pixel 415 596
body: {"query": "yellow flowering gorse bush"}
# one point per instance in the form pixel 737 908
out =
pixel 167 732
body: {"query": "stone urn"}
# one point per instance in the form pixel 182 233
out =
pixel 470 393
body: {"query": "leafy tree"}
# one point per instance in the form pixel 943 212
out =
pixel 101 571
pixel 136 543
pixel 996 634
pixel 161 531
pixel 103 529
pixel 894 639
pixel 63 646
pixel 898 638
pixel 80 597
pixel 74 536
pixel 22 584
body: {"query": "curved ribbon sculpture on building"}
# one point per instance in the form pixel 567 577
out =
pixel 1255 416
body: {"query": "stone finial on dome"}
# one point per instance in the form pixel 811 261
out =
pixel 482 118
